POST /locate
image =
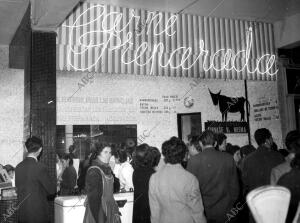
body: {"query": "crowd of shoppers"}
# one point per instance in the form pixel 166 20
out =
pixel 201 181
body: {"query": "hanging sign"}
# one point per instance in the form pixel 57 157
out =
pixel 118 37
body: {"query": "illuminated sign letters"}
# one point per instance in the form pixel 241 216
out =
pixel 117 36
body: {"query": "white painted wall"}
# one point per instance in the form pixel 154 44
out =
pixel 11 111
pixel 96 102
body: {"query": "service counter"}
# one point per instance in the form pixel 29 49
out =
pixel 71 209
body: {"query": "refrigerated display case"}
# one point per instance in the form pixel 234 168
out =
pixel 70 209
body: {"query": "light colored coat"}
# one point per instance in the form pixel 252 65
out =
pixel 125 176
pixel 279 171
pixel 175 197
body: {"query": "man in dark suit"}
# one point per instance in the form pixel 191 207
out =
pixel 218 180
pixel 257 167
pixel 33 184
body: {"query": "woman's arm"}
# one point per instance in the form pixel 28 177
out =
pixel 194 201
pixel 153 202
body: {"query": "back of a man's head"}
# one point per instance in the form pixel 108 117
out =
pixel 33 144
pixel 71 148
pixel 208 138
pixel 220 137
pixel 292 141
pixel 194 141
pixel 261 135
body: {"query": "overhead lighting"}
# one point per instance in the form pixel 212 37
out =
pixel 99 134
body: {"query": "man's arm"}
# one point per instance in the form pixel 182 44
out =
pixel 234 183
pixel 244 170
pixel 48 183
pixel 275 175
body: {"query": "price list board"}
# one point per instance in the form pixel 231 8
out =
pixel 266 110
pixel 164 105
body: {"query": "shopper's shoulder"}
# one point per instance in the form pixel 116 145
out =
pixel 93 169
pixel 140 172
pixel 282 166
pixel 162 172
pixel 224 155
pixel 277 155
pixel 188 175
pixel 202 155
pixel 20 165
pixel 93 173
pixel 218 155
pixel 252 156
pixel 195 160
pixel 154 176
pixel 196 157
pixel 71 169
pixel 286 178
pixel 127 165
pixel 41 166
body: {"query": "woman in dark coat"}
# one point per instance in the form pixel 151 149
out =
pixel 101 206
pixel 69 177
pixel 144 162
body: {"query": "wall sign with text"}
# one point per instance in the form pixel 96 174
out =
pixel 227 127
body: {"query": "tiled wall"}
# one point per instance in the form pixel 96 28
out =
pixel 40 103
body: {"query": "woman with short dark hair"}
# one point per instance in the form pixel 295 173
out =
pixel 156 155
pixel 174 193
pixel 100 204
pixel 143 159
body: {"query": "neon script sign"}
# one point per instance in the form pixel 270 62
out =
pixel 119 28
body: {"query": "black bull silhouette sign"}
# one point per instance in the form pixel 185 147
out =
pixel 227 104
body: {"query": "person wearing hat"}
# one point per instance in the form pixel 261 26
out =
pixel 292 142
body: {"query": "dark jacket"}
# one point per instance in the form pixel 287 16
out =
pixel 218 181
pixel 141 207
pixel 68 183
pixel 257 167
pixel 291 180
pixel 83 167
pixel 33 184
pixel 94 187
